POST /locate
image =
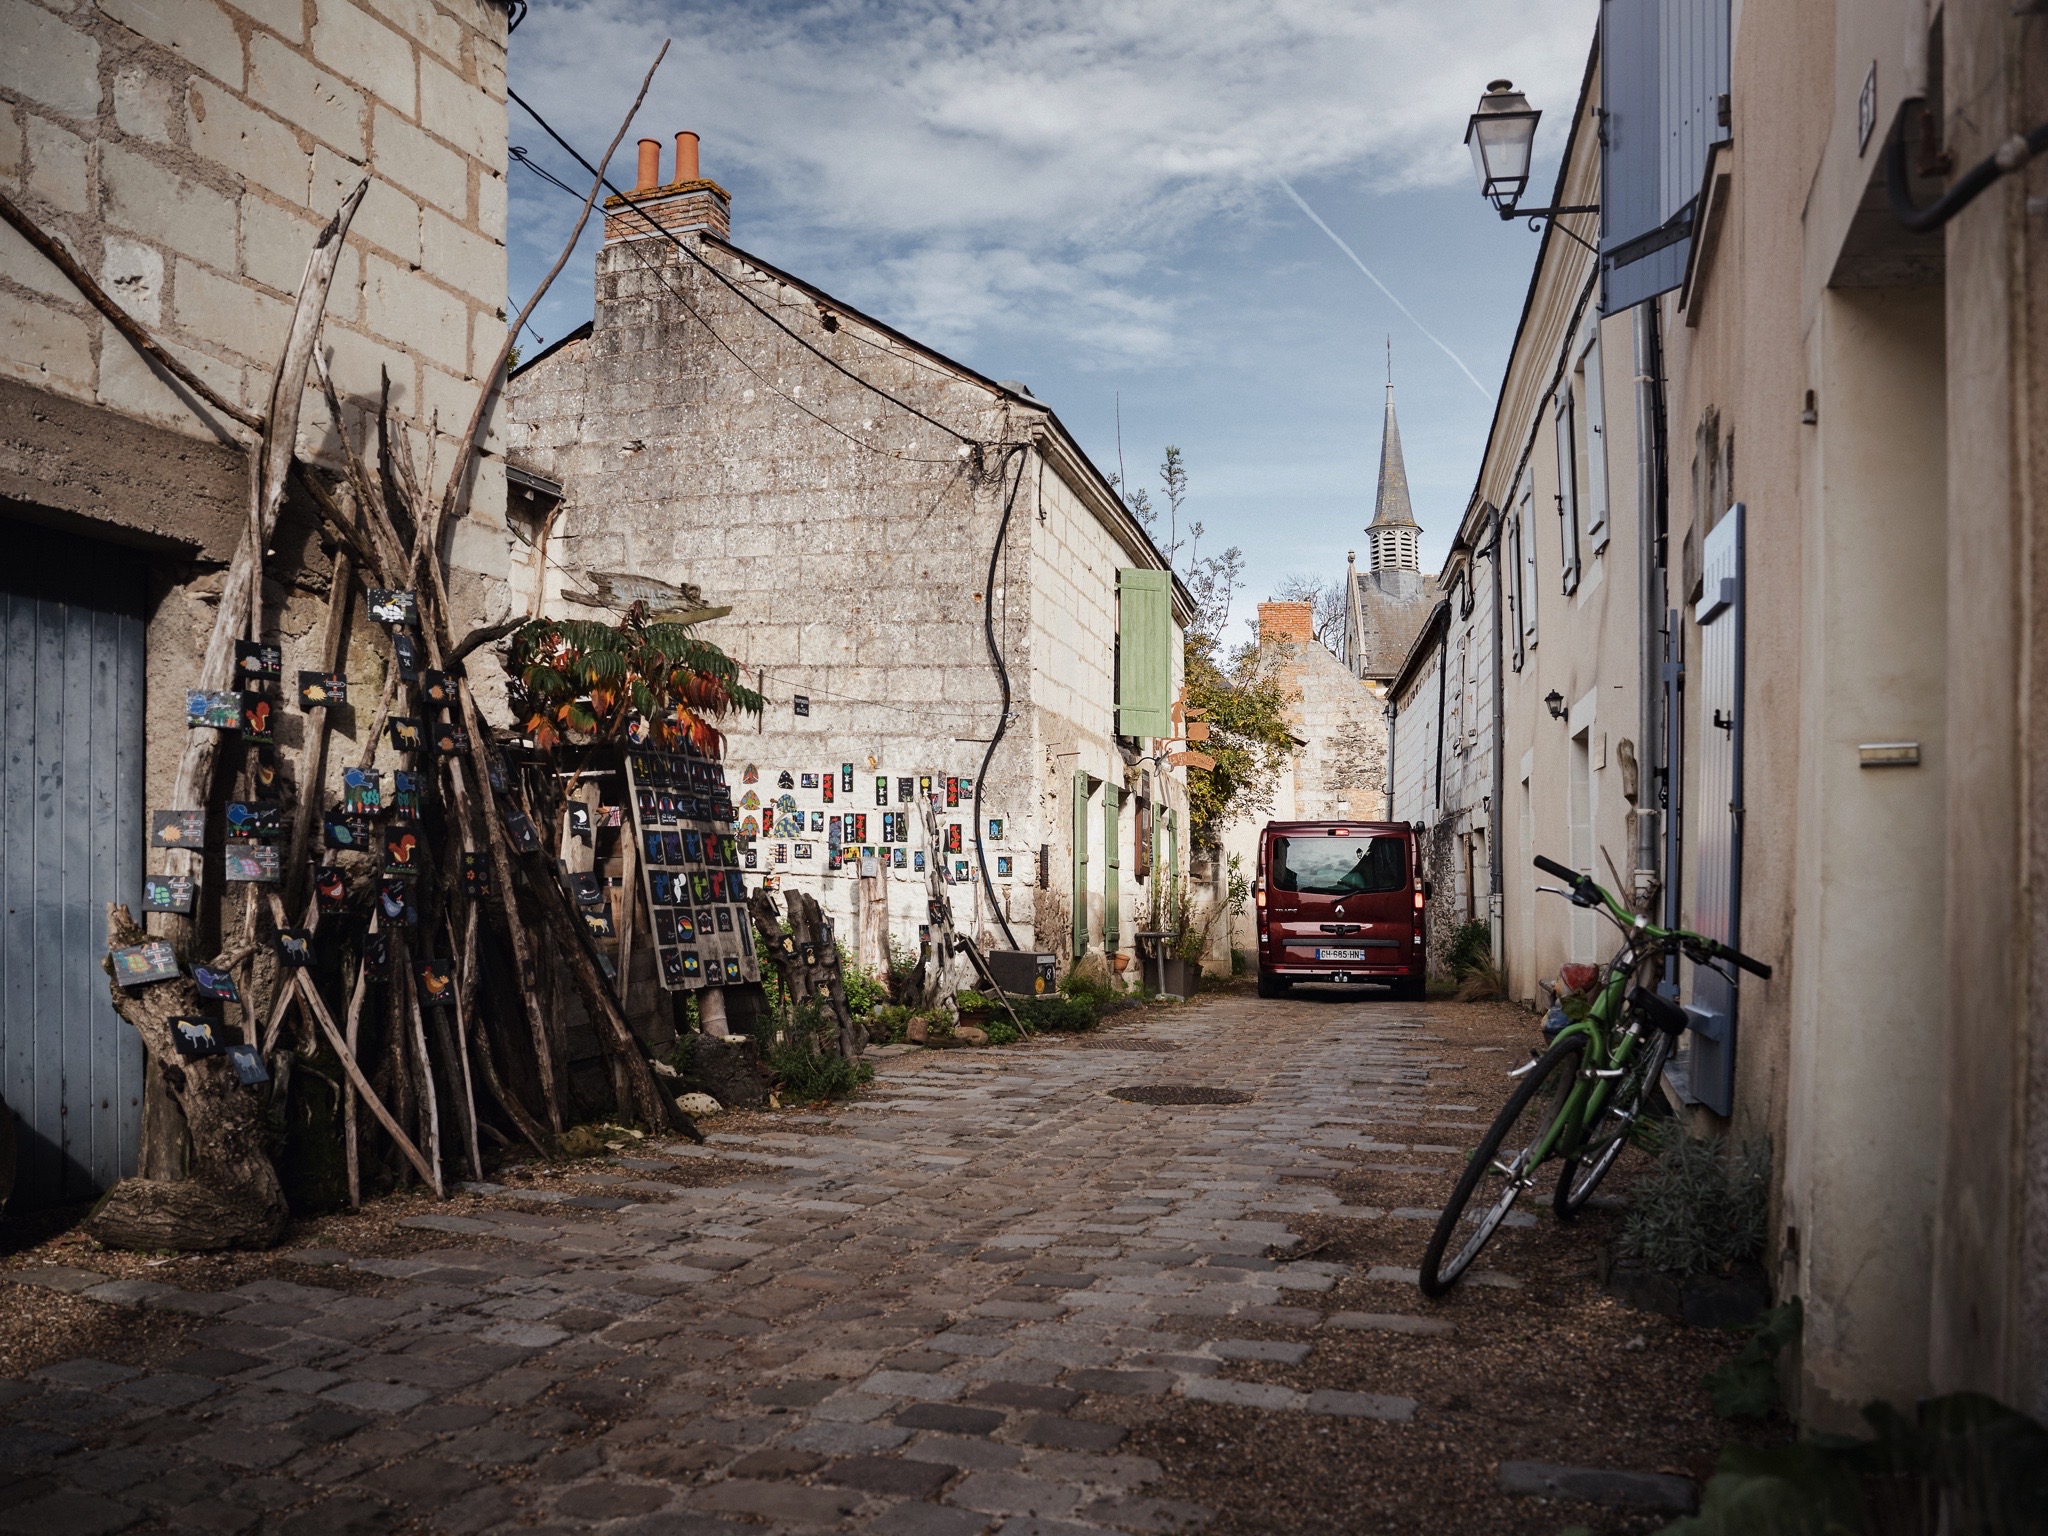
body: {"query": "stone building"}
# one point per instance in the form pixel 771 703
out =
pixel 188 153
pixel 1338 768
pixel 1385 605
pixel 891 545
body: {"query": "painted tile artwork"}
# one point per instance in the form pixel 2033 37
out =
pixel 319 690
pixel 221 711
pixel 388 606
pixel 177 829
pixel 251 863
pixel 139 964
pixel 167 893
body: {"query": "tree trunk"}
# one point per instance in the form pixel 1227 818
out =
pixel 230 1197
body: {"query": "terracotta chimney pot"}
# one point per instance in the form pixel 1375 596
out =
pixel 686 157
pixel 650 166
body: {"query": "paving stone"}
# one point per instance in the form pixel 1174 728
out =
pixel 964 1451
pixel 342 1517
pixel 794 1394
pixel 217 1363
pixel 776 1461
pixel 377 1396
pixel 167 1389
pixel 779 1501
pixel 59 1277
pixel 496 1447
pixel 928 1520
pixel 848 1439
pixel 922 1385
pixel 195 1303
pixel 951 1418
pixel 88 1374
pixel 1386 1322
pixel 1361 1405
pixel 1596 1485
pixel 1248 1394
pixel 610 1500
pixel 1022 1394
pixel 1135 1513
pixel 1070 1434
pixel 1142 1383
pixel 1275 1350
pixel 1014 1493
pixel 889 1475
pixel 69 1512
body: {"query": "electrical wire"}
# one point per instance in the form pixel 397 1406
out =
pixel 995 656
pixel 655 226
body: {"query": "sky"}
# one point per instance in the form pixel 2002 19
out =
pixel 1090 196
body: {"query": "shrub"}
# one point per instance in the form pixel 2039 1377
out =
pixel 806 1075
pixel 862 990
pixel 1062 1014
pixel 1001 1031
pixel 1702 1209
pixel 1471 947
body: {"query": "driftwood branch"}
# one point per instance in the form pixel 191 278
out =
pixel 119 318
pixel 472 436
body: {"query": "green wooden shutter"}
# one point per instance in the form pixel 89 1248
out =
pixel 1144 628
pixel 1112 860
pixel 1172 846
pixel 1080 863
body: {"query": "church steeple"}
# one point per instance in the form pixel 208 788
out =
pixel 1393 535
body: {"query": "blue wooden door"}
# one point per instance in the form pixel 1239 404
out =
pixel 71 840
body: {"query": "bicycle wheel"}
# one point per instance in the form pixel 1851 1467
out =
pixel 1581 1174
pixel 1498 1172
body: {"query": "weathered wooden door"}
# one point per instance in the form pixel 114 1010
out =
pixel 71 840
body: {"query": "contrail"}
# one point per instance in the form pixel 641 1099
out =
pixel 1383 288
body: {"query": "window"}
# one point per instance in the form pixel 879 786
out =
pixel 1338 866
pixel 1567 488
pixel 1593 446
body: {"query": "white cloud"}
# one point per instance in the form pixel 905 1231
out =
pixel 983 166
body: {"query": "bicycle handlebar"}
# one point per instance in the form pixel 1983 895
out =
pixel 1588 892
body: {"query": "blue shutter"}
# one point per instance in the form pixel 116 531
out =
pixel 1663 74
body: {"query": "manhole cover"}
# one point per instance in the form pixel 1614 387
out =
pixel 1179 1093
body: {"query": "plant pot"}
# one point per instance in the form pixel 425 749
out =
pixel 1179 978
pixel 1121 962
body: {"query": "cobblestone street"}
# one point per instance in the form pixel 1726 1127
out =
pixel 958 1304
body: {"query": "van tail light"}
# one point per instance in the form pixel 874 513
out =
pixel 1259 892
pixel 1418 899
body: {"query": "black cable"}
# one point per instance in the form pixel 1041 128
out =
pixel 995 656
pixel 2008 157
pixel 668 235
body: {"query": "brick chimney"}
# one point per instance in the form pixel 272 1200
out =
pixel 1292 622
pixel 686 202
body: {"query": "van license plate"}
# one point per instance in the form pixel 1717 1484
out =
pixel 1340 954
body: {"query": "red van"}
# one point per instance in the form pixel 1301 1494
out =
pixel 1340 901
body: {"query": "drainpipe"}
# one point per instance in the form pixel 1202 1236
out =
pixel 1651 492
pixel 1495 854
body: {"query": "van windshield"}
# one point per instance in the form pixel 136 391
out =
pixel 1339 866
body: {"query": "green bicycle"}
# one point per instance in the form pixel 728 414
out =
pixel 1580 1098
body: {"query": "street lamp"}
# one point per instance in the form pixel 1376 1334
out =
pixel 1502 138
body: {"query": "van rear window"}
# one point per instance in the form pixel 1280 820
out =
pixel 1339 866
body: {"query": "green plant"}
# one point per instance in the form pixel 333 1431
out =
pixel 1001 1031
pixel 1965 1465
pixel 1471 946
pixel 863 991
pixel 1061 1014
pixel 1238 890
pixel 804 1066
pixel 1747 1386
pixel 1702 1208
pixel 597 680
pixel 967 1000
